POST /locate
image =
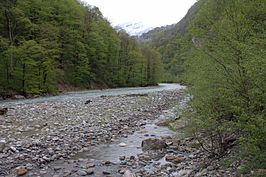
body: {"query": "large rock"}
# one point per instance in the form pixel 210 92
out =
pixel 153 144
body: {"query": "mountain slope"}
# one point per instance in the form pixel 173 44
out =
pixel 168 30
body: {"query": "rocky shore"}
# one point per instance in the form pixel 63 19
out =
pixel 44 138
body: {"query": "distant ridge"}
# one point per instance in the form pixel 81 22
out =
pixel 168 30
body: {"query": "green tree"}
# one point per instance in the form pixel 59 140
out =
pixel 227 74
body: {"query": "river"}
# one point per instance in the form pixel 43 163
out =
pixel 96 93
pixel 53 129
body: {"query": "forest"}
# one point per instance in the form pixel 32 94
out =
pixel 218 50
pixel 46 46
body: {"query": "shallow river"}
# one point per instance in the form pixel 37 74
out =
pixel 96 93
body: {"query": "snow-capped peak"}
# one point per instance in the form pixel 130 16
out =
pixel 135 28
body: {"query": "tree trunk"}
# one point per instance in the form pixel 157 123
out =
pixel 11 38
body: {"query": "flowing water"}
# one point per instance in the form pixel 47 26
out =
pixel 97 93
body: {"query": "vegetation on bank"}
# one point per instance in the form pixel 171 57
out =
pixel 222 55
pixel 46 43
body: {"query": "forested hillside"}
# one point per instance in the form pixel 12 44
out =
pixel 171 43
pixel 221 55
pixel 46 44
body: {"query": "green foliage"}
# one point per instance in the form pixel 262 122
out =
pixel 227 70
pixel 44 43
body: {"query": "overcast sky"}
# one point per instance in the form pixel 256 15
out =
pixel 153 13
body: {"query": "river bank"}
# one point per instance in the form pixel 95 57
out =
pixel 46 138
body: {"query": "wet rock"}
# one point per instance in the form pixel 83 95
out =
pixel 153 144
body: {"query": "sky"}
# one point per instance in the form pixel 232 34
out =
pixel 153 13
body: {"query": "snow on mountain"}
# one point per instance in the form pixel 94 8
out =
pixel 135 28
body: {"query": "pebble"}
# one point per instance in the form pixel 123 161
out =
pixel 122 144
pixel 61 129
pixel 106 172
pixel 21 170
pixel 82 172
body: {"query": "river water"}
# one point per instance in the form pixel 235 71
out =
pixel 97 93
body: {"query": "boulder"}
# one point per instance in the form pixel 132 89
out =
pixel 153 144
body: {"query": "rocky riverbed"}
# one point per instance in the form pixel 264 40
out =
pixel 47 138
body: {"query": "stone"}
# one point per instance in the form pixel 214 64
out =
pixel 13 149
pixel 90 172
pixel 106 172
pixel 162 123
pixel 88 101
pixel 142 131
pixel 82 173
pixel 107 162
pixel 18 97
pixel 21 170
pixel 169 157
pixel 90 165
pixel 132 157
pixel 55 139
pixel 43 172
pixel 122 157
pixel 166 137
pixel 177 160
pixel 128 174
pixel 3 111
pixel 123 162
pixel 153 144
pixel 122 144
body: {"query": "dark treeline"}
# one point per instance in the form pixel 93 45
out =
pixel 48 43
pixel 219 49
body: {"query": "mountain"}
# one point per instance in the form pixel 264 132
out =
pixel 169 30
pixel 134 28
